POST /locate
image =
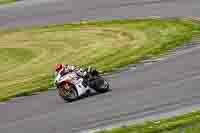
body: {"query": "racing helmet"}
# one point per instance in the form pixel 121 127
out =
pixel 58 67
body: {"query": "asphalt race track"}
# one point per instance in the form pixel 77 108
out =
pixel 169 84
pixel 38 12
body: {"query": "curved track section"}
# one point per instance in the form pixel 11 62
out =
pixel 42 12
pixel 168 84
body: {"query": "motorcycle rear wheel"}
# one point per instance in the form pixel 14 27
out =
pixel 102 85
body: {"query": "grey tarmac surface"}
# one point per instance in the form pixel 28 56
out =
pixel 42 12
pixel 169 84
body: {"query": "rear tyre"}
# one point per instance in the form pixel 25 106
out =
pixel 101 85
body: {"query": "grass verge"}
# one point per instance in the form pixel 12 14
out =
pixel 188 123
pixel 6 1
pixel 27 55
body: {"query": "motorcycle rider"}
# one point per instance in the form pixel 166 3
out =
pixel 63 69
pixel 82 85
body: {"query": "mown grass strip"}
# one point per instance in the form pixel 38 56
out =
pixel 6 1
pixel 27 55
pixel 188 123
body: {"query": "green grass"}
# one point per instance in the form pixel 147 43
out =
pixel 188 123
pixel 193 128
pixel 6 1
pixel 27 55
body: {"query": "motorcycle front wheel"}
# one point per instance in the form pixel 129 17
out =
pixel 69 95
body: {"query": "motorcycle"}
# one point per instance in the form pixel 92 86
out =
pixel 72 86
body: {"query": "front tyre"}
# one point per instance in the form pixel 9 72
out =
pixel 69 94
